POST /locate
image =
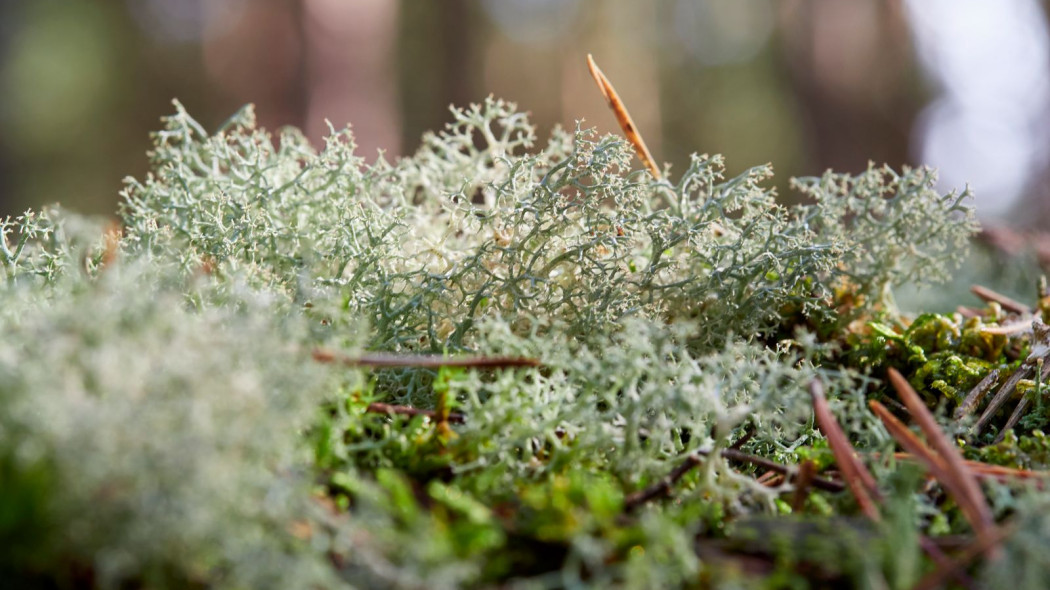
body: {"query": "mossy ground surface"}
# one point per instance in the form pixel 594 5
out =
pixel 602 379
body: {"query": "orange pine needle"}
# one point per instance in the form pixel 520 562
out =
pixel 971 498
pixel 623 118
pixel 860 481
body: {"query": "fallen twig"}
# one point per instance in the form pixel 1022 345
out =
pixel 1005 302
pixel 1042 369
pixel 976 395
pixel 381 408
pixel 1040 351
pixel 663 486
pixel 958 564
pixel 817 482
pixel 988 471
pixel 385 361
pixel 860 480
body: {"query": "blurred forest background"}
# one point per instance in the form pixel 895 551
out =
pixel 805 84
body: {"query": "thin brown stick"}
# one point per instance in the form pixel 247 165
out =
pixel 662 487
pixel 1040 350
pixel 429 361
pixel 807 470
pixel 1043 370
pixel 623 118
pixel 943 561
pixel 1000 398
pixel 1005 302
pixel 985 470
pixel 743 440
pixel 740 457
pixel 976 395
pixel 860 481
pixel 958 564
pixel 381 408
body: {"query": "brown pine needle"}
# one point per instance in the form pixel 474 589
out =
pixel 974 397
pixel 958 564
pixel 737 456
pixel 1004 302
pixel 381 408
pixel 860 481
pixel 623 118
pixel 429 361
pixel 988 471
pixel 931 460
pixel 959 479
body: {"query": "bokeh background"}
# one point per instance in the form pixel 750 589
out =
pixel 805 84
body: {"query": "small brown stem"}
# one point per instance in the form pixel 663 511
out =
pixel 429 361
pixel 1043 370
pixel 958 564
pixel 996 472
pixel 743 440
pixel 1000 398
pixel 817 482
pixel 1005 302
pixel 976 395
pixel 662 487
pixel 381 408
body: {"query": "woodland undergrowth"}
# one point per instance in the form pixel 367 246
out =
pixel 502 362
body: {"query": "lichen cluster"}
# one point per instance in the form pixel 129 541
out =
pixel 167 423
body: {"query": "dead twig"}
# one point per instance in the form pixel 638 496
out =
pixel 662 487
pixel 1041 369
pixel 1005 302
pixel 623 118
pixel 740 457
pixel 957 565
pixel 1040 352
pixel 743 440
pixel 860 480
pixel 976 395
pixel 381 408
pixel 429 361
pixel 988 471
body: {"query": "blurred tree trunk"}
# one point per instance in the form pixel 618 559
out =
pixel 438 60
pixel 852 71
